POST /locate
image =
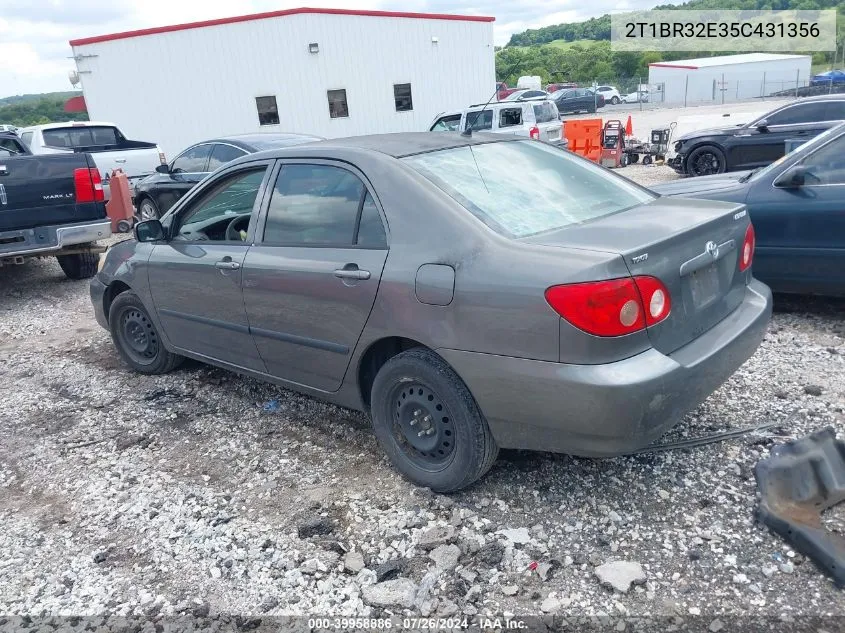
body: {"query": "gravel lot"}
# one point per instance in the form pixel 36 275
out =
pixel 204 492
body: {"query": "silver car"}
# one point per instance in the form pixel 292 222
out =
pixel 470 293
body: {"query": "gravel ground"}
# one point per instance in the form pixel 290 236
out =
pixel 204 492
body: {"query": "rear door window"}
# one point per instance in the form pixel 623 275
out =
pixel 508 117
pixel 222 154
pixel 26 137
pixel 835 111
pixel 80 136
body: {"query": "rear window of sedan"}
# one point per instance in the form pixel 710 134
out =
pixel 545 112
pixel 523 188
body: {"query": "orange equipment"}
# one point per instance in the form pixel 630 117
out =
pixel 613 145
pixel 584 137
pixel 629 127
pixel 119 207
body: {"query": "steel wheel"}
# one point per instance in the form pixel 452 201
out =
pixel 137 336
pixel 422 426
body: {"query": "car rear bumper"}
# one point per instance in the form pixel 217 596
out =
pixel 614 408
pixel 44 239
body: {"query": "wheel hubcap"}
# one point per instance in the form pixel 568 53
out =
pixel 422 425
pixel 139 336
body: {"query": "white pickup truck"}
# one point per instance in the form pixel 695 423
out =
pixel 104 141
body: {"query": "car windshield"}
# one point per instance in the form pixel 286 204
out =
pixel 803 150
pixel 550 188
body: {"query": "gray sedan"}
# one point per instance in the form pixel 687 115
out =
pixel 470 293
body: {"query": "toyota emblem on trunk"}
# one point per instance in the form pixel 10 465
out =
pixel 712 248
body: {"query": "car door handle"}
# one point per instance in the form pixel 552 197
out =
pixel 120 160
pixel 352 273
pixel 226 264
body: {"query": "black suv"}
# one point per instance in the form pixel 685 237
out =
pixel 759 142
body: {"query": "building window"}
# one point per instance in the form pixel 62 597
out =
pixel 338 108
pixel 268 112
pixel 402 97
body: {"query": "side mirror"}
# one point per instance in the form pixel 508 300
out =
pixel 792 178
pixel 149 231
pixel 163 169
pixel 763 125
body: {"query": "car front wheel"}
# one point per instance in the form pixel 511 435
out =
pixel 706 160
pixel 614 100
pixel 429 424
pixel 136 338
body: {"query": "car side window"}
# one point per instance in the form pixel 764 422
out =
pixel 826 166
pixel 192 160
pixel 509 117
pixel 314 205
pixel 447 123
pixel 209 216
pixel 26 137
pixel 370 228
pixel 835 111
pixel 480 120
pixel 798 113
pixel 222 154
pixel 11 146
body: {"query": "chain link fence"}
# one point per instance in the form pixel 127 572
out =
pixel 637 93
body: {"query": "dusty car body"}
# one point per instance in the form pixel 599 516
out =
pixel 464 303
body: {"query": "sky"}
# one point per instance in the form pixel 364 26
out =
pixel 34 34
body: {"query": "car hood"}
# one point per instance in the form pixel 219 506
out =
pixel 713 131
pixel 701 184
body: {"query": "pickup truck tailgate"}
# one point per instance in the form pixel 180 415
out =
pixel 135 162
pixel 39 191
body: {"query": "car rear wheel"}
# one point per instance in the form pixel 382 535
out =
pixel 136 338
pixel 147 210
pixel 706 160
pixel 79 265
pixel 428 423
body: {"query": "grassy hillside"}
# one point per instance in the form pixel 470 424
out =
pixel 36 109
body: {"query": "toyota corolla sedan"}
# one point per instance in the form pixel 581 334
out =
pixel 470 293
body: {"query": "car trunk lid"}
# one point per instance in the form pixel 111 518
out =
pixel 692 246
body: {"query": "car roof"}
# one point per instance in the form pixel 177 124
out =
pixel 51 126
pixel 250 141
pixel 403 144
pixel 831 97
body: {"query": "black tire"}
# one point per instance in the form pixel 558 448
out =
pixel 136 338
pixel 633 158
pixel 647 160
pixel 148 210
pixel 454 447
pixel 79 265
pixel 705 161
pixel 623 161
pixel 614 100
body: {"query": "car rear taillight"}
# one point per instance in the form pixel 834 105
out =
pixel 534 133
pixel 614 307
pixel 88 186
pixel 747 253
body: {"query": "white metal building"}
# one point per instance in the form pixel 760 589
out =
pixel 329 72
pixel 729 77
